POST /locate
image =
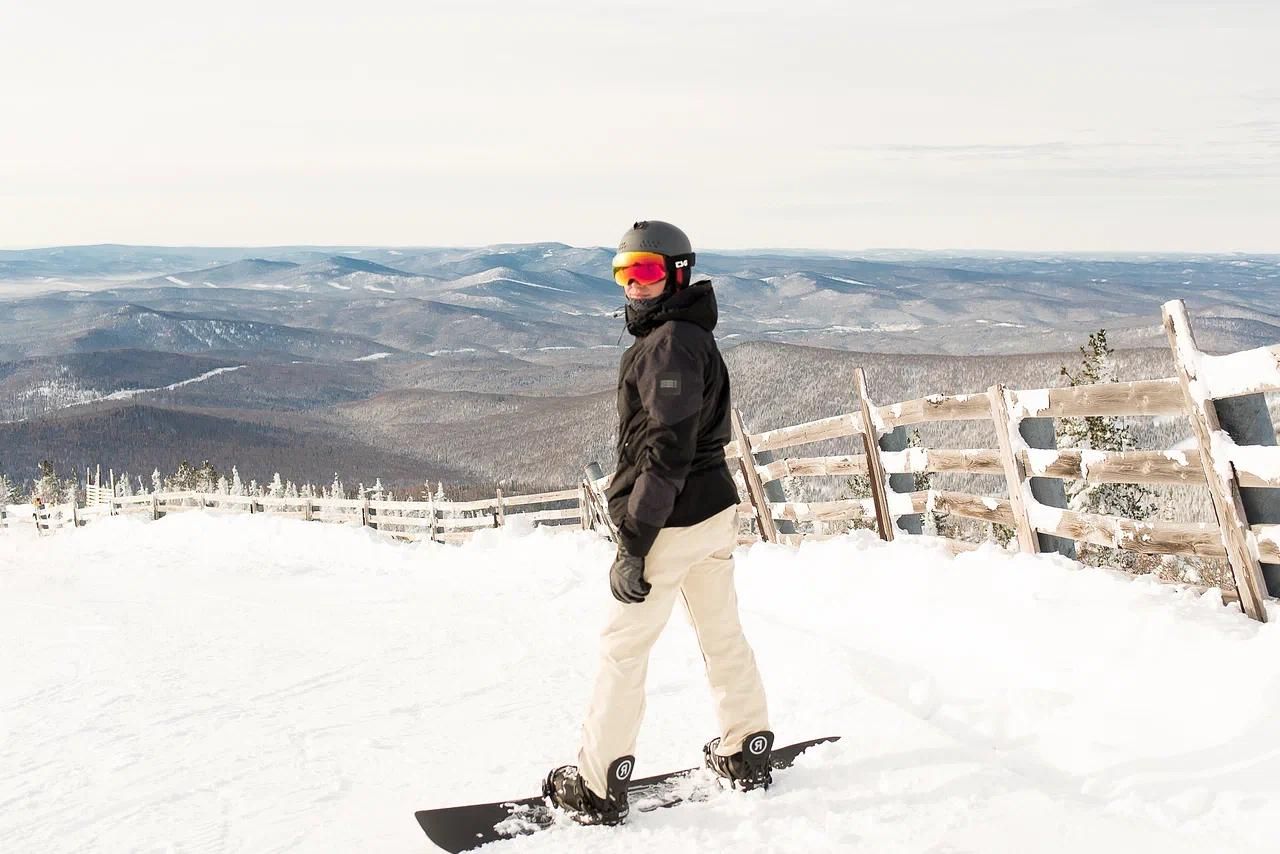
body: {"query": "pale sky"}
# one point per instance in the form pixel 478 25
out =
pixel 1043 125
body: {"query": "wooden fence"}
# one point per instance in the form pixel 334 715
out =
pixel 442 521
pixel 1218 464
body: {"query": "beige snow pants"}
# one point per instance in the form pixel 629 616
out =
pixel 694 563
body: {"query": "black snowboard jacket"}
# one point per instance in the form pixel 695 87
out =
pixel 673 421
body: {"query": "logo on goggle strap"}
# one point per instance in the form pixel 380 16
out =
pixel 680 264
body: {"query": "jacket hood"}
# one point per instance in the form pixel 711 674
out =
pixel 696 304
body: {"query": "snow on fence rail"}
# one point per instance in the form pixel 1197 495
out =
pixel 1218 464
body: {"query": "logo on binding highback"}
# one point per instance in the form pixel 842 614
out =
pixel 758 745
pixel 623 771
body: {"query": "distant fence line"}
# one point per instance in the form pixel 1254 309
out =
pixel 1025 457
pixel 441 521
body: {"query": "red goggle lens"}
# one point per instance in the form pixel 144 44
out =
pixel 643 268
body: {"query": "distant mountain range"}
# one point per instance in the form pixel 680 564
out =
pixel 360 343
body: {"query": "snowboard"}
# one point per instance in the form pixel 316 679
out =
pixel 462 828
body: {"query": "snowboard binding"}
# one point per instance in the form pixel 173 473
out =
pixel 747 769
pixel 564 788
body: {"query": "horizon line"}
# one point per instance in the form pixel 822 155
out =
pixel 981 251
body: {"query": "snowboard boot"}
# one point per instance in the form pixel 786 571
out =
pixel 565 788
pixel 747 769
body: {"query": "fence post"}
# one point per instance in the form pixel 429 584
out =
pixel 75 517
pixel 595 473
pixel 500 516
pixel 1015 472
pixel 364 511
pixel 751 477
pixel 584 506
pixel 875 465
pixel 155 507
pixel 431 514
pixel 1220 475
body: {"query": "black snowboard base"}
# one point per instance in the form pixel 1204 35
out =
pixel 469 826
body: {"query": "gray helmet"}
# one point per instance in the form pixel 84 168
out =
pixel 664 238
pixel 656 236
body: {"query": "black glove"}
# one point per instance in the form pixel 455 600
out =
pixel 626 578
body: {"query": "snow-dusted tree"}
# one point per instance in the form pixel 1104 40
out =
pixel 440 496
pixel 237 485
pixel 8 491
pixel 254 489
pixel 378 491
pixel 69 491
pixel 224 488
pixel 206 479
pixel 1103 433
pixel 336 489
pixel 276 488
pixel 290 490
pixel 184 479
pixel 935 524
pixel 47 487
pixel 858 486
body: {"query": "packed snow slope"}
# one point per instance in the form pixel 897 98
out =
pixel 237 683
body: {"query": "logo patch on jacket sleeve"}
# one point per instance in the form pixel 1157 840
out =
pixel 669 384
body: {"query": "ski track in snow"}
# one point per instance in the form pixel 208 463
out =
pixel 125 394
pixel 237 683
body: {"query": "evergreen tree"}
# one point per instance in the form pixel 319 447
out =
pixel 224 488
pixel 934 523
pixel 8 491
pixel 206 479
pixel 69 492
pixel 237 486
pixel 276 489
pixel 184 479
pixel 47 488
pixel 1103 433
pixel 858 487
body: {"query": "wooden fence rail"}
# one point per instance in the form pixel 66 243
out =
pixel 1216 463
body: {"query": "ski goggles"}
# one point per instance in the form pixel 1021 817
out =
pixel 643 268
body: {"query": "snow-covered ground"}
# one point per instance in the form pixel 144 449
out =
pixel 234 683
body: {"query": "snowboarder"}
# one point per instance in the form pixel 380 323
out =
pixel 675 507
